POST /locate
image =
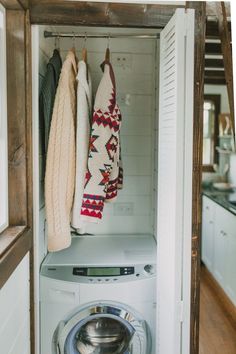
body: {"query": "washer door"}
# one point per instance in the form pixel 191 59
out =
pixel 102 328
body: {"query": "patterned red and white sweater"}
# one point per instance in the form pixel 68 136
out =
pixel 104 173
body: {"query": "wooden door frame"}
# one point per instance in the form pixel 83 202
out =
pixel 121 15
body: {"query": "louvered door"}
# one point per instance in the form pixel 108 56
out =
pixel 175 183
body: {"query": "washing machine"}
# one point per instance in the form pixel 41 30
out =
pixel 99 296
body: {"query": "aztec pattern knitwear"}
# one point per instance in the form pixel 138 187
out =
pixel 60 165
pixel 104 172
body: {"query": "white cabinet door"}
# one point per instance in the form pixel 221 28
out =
pixel 225 251
pixel 15 311
pixel 230 256
pixel 219 247
pixel 208 214
pixel 174 222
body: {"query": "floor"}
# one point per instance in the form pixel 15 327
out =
pixel 217 330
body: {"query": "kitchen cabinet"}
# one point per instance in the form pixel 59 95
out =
pixel 208 208
pixel 219 245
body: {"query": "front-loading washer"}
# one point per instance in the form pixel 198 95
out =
pixel 99 296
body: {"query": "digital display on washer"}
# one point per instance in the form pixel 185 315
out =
pixel 103 271
pixel 95 272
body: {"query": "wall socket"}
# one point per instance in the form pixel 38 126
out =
pixel 122 60
pixel 124 99
pixel 123 209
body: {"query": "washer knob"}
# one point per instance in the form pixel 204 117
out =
pixel 149 269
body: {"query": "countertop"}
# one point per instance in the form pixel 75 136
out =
pixel 224 199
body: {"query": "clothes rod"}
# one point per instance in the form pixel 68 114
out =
pixel 48 34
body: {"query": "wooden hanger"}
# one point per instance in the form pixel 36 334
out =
pixel 84 50
pixel 73 48
pixel 107 55
pixel 84 55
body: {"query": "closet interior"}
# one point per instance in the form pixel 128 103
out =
pixel 135 63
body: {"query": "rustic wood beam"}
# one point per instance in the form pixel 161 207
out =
pixel 15 4
pixel 12 257
pixel 16 108
pixel 100 14
pixel 227 57
pixel 200 31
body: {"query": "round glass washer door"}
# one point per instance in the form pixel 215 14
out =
pixel 100 334
pixel 103 329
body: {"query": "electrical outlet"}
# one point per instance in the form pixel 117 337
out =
pixel 122 60
pixel 123 209
pixel 124 99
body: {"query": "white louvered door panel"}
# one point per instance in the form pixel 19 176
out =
pixel 175 183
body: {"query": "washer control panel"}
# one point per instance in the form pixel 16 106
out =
pixel 103 271
pixel 99 274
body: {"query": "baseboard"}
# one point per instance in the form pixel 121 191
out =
pixel 222 297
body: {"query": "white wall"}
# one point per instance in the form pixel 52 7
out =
pixel 14 312
pixel 136 96
pixel 219 90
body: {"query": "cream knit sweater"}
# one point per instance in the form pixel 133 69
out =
pixel 60 165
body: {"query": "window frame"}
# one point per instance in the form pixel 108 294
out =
pixel 4 213
pixel 216 99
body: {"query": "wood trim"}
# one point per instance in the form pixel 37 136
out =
pixel 222 297
pixel 200 32
pixel 28 101
pixel 12 257
pixel 100 14
pixel 16 115
pixel 15 4
pixel 8 237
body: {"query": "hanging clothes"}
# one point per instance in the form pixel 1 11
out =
pixel 84 112
pixel 60 165
pixel 102 175
pixel 47 95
